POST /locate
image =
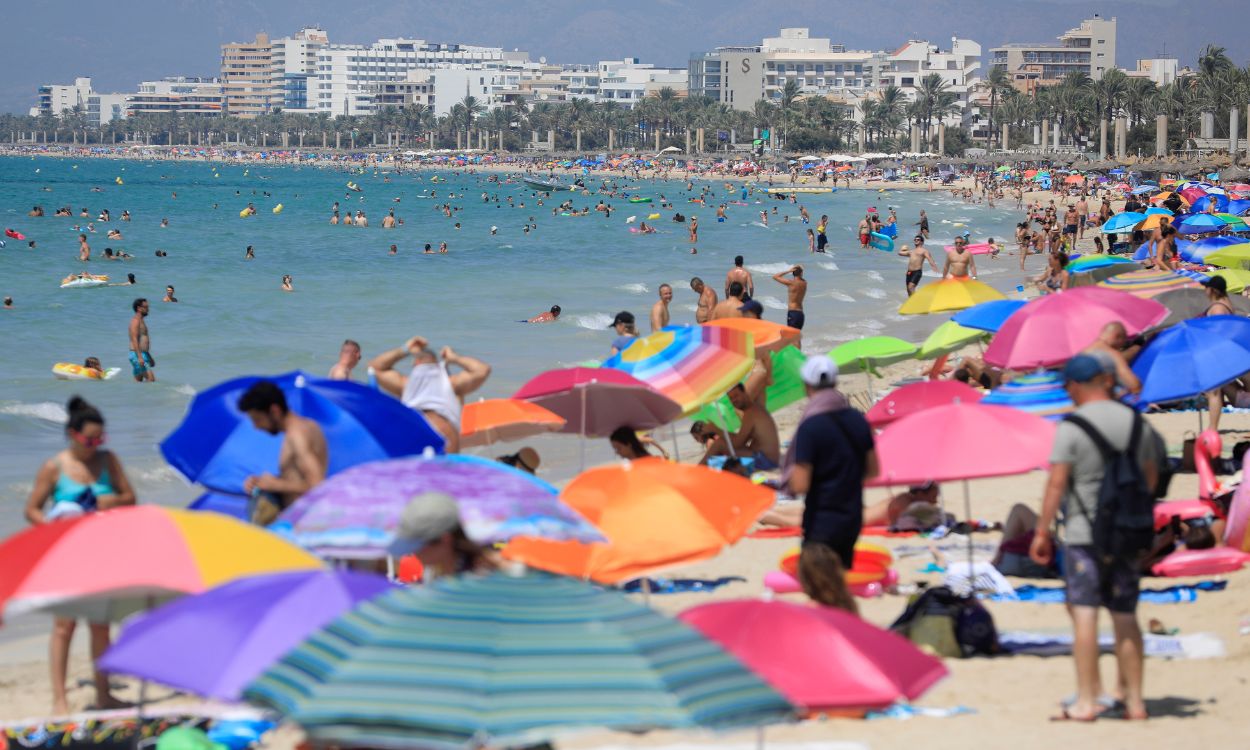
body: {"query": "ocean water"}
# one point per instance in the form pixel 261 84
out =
pixel 233 319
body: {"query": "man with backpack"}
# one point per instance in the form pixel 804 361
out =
pixel 1104 467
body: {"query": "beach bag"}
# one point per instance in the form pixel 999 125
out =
pixel 1123 520
pixel 948 625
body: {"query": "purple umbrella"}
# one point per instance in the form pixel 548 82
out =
pixel 215 643
pixel 355 513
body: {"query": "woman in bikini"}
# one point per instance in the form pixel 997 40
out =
pixel 81 479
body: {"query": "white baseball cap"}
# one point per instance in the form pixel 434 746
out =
pixel 819 371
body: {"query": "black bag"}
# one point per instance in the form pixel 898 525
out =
pixel 947 624
pixel 1123 521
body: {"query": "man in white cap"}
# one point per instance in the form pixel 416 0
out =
pixel 833 456
pixel 429 527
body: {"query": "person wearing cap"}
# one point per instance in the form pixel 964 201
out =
pixel 547 317
pixel 731 306
pixel 1071 496
pixel 626 333
pixel 833 455
pixel 429 527
pixel 751 309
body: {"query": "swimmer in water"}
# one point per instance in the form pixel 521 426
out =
pixel 250 254
pixel 547 317
pixel 286 283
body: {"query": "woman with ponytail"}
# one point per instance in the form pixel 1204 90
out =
pixel 81 479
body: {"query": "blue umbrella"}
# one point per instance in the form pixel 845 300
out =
pixel 1123 221
pixel 1192 357
pixel 1198 223
pixel 224 503
pixel 988 316
pixel 1145 189
pixel 1041 393
pixel 217 446
pixel 1142 252
pixel 1156 210
pixel 1221 202
pixel 1117 170
pixel 1196 251
pixel 1238 207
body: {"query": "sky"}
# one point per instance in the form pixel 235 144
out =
pixel 119 44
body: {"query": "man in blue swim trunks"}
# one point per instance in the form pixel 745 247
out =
pixel 141 362
pixel 756 438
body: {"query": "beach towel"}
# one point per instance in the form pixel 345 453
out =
pixel 679 585
pixel 908 711
pixel 1181 594
pixel 1191 646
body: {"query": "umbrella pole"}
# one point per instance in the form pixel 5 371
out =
pixel 646 591
pixel 581 437
pixel 759 737
pixel 968 520
pixel 676 450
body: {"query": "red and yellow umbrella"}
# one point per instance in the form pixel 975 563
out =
pixel 107 565
pixel 767 336
pixel 501 419
pixel 655 515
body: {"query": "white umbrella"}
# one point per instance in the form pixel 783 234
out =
pixel 809 158
pixel 670 150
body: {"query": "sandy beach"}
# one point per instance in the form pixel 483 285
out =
pixel 1012 698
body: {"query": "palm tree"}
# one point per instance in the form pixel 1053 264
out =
pixel 1213 59
pixel 930 93
pixel 789 93
pixel 997 83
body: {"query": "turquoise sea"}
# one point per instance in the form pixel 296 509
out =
pixel 233 319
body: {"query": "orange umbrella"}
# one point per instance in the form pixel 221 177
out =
pixel 499 419
pixel 1154 221
pixel 1073 179
pixel 655 514
pixel 768 336
pixel 1158 199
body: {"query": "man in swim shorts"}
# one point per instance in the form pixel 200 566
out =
pixel 915 263
pixel 821 239
pixel 796 288
pixel 141 362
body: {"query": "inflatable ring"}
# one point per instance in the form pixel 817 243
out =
pixel 70 371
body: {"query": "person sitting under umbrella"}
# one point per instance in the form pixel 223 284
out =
pixel 628 444
pixel 1113 341
pixel 756 437
pixel 430 387
pixel 302 462
pixel 429 527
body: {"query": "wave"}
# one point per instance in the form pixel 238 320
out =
pixel 185 389
pixel 772 303
pixel 875 276
pixel 633 288
pixel 875 292
pixel 770 268
pixel 46 410
pixel 840 296
pixel 830 266
pixel 593 321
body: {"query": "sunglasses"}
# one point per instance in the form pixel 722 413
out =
pixel 89 442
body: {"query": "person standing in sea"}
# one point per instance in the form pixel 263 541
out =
pixel 915 263
pixel 796 290
pixel 141 362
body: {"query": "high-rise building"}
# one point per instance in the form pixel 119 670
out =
pixel 182 95
pixel 55 98
pixel 104 108
pixel 1088 49
pixel 294 62
pixel 959 69
pixel 247 77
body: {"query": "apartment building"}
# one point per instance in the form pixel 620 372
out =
pixel 1088 49
pixel 247 77
pixel 183 95
pixel 55 98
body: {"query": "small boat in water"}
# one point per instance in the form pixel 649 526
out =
pixel 544 186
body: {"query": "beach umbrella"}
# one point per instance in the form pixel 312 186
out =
pixel 107 565
pixel 1156 211
pixel 1144 189
pixel 766 335
pixel 867 354
pixel 504 419
pixel 1183 304
pixel 949 294
pixel 1148 283
pixel 819 658
pixel 1050 330
pixel 1192 193
pixel 1154 221
pixel 1196 251
pixel 988 316
pixel 786 388
pixel 504 660
pixel 1236 278
pixel 1192 357
pixel 1122 222
pixel 947 338
pixel 915 397
pixel 693 365
pixel 594 402
pixel 355 514
pixel 1088 276
pixel 703 512
pixel 217 446
pixel 214 643
pixel 1234 223
pixel 1198 223
pixel 1041 393
pixel 1161 197
pixel 1091 262
pixel 1231 256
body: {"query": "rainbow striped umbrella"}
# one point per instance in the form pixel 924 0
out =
pixel 1041 393
pixel 503 660
pixel 1147 284
pixel 693 365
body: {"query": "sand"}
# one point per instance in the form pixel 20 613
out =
pixel 1190 700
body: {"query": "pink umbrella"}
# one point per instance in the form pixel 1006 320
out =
pixel 817 657
pixel 1193 194
pixel 962 442
pixel 1051 330
pixel 915 397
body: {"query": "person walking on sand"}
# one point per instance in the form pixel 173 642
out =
pixel 916 258
pixel 796 289
pixel 141 362
pixel 707 300
pixel 83 478
pixel 1098 575
pixel 659 311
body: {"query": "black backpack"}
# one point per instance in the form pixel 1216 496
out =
pixel 1123 520
pixel 947 624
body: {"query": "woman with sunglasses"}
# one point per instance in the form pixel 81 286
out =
pixel 80 479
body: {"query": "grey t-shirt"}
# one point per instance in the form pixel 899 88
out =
pixel 1072 446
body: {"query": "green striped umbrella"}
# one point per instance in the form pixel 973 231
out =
pixel 499 659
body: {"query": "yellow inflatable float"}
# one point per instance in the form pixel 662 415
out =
pixel 277 209
pixel 70 371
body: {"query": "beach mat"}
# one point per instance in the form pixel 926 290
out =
pixel 1191 646
pixel 1180 594
pixel 679 585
